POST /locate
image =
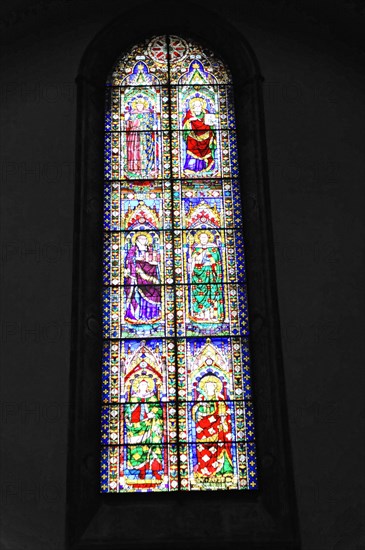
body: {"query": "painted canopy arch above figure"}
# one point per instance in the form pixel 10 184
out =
pixel 177 403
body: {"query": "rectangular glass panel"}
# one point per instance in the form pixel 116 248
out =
pixel 208 256
pixel 137 154
pixel 225 358
pixel 137 258
pixel 211 309
pixel 207 204
pixel 139 108
pixel 208 154
pixel 143 420
pixel 212 466
pixel 139 468
pixel 123 357
pixel 145 312
pixel 137 204
pixel 201 107
pixel 217 420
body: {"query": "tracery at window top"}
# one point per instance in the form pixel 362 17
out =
pixel 177 411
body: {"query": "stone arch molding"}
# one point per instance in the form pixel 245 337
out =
pixel 266 519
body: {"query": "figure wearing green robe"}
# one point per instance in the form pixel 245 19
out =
pixel 206 292
pixel 144 435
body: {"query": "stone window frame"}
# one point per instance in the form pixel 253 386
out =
pixel 262 519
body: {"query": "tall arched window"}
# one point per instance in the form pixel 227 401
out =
pixel 177 411
pixel 171 367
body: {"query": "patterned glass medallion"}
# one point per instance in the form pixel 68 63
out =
pixel 177 411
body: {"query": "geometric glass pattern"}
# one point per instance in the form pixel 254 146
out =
pixel 177 408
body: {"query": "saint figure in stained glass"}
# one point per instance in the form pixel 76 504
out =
pixel 143 293
pixel 141 144
pixel 176 403
pixel 213 430
pixel 199 137
pixel 144 427
pixel 206 292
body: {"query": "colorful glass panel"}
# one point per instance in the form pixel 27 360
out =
pixel 177 409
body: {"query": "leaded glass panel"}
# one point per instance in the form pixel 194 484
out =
pixel 177 410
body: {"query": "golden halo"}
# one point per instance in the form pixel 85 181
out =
pixel 145 233
pixel 139 100
pixel 139 379
pixel 200 100
pixel 202 232
pixel 211 378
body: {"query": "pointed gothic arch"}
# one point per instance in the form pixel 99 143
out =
pixel 267 517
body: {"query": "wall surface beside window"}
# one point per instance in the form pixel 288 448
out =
pixel 311 59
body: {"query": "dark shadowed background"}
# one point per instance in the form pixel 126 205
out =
pixel 311 55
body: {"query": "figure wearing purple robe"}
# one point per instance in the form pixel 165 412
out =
pixel 142 283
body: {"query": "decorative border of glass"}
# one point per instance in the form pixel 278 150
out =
pixel 177 409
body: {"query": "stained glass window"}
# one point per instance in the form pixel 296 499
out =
pixel 176 400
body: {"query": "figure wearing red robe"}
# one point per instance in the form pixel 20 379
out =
pixel 200 139
pixel 213 428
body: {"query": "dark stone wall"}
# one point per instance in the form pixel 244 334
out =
pixel 314 109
